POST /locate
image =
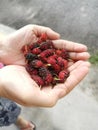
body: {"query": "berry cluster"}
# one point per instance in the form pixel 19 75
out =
pixel 46 64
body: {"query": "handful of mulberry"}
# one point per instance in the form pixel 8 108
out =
pixel 46 64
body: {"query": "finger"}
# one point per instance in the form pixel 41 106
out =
pixel 50 33
pixel 78 63
pixel 21 37
pixel 79 56
pixel 70 46
pixel 28 34
pixel 78 72
pixel 49 97
pixel 76 75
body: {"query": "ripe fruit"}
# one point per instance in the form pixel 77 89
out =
pixel 46 75
pixel 60 61
pixel 56 68
pixel 51 60
pixel 46 45
pixel 42 38
pixel 38 80
pixel 64 54
pixel 36 51
pixel 47 53
pixel 36 63
pixel 63 75
pixel 29 57
pixel 46 64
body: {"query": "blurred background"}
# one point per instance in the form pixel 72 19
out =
pixel 77 21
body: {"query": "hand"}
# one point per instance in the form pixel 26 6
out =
pixel 10 51
pixel 18 86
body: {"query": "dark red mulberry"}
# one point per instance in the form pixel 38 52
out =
pixel 47 45
pixel 34 45
pixel 36 63
pixel 46 64
pixel 29 57
pixel 64 54
pixel 65 64
pixel 60 61
pixel 47 53
pixel 36 51
pixel 38 80
pixel 56 68
pixel 31 70
pixel 48 79
pixel 42 38
pixel 51 61
pixel 63 75
pixel 46 75
pixel 43 71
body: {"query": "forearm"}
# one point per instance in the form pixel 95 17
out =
pixel 4 49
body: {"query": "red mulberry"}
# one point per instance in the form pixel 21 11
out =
pixel 38 80
pixel 63 75
pixel 46 64
pixel 36 63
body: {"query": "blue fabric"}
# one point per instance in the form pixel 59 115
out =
pixel 9 111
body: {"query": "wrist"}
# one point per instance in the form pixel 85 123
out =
pixel 3 48
pixel 1 83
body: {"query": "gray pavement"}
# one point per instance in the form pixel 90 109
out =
pixel 75 20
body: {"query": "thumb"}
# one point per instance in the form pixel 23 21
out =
pixel 21 37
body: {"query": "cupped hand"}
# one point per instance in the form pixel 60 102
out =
pixel 17 84
pixel 10 52
pixel 11 45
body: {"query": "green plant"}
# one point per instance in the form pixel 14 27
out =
pixel 94 58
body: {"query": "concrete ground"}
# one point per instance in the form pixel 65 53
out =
pixel 75 20
pixel 77 111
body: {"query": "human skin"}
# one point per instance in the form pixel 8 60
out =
pixel 16 83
